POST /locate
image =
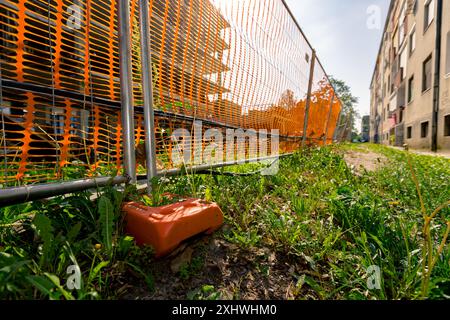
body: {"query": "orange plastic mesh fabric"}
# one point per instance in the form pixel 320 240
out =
pixel 323 99
pixel 229 63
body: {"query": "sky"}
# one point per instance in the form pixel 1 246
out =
pixel 346 35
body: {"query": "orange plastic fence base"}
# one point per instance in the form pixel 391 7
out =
pixel 164 228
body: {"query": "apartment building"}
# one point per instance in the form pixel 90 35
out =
pixel 410 89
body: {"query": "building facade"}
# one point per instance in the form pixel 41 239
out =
pixel 410 89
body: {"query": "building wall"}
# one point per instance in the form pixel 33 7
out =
pixel 420 109
pixel 398 115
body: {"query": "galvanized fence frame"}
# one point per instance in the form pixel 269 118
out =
pixel 15 195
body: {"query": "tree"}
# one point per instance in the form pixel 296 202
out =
pixel 287 100
pixel 349 101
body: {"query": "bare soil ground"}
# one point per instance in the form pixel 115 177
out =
pixel 364 159
pixel 234 273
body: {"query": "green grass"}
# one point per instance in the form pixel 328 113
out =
pixel 315 212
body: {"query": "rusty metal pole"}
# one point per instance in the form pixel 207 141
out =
pixel 325 138
pixel 336 130
pixel 347 123
pixel 308 97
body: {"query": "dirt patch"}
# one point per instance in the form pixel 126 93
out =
pixel 364 160
pixel 230 272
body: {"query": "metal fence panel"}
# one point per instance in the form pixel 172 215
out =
pixel 229 64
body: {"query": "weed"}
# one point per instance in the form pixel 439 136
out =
pixel 206 292
pixel 190 269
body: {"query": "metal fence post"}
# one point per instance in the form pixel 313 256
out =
pixel 147 88
pixel 325 138
pixel 338 125
pixel 347 124
pixel 126 90
pixel 308 97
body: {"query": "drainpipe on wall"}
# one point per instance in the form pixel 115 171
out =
pixel 437 78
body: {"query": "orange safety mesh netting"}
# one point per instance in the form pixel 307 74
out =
pixel 323 111
pixel 229 63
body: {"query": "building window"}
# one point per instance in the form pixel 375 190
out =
pixel 409 133
pixel 429 13
pixel 395 40
pixel 447 126
pixel 447 69
pixel 410 89
pixel 426 71
pixel 424 129
pixel 412 42
pixel 403 63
